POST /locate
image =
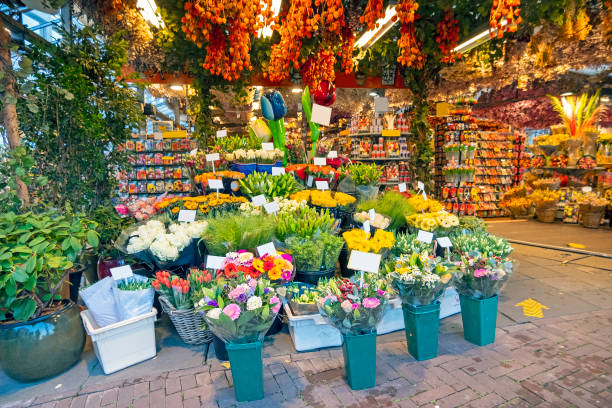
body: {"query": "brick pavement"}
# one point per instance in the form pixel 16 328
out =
pixel 557 362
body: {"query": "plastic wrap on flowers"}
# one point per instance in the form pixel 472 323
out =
pixel 241 310
pixel 277 268
pixel 482 277
pixel 351 306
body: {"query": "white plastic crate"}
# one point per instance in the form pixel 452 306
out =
pixel 124 343
pixel 310 332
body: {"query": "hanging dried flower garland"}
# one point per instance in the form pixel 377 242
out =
pixel 319 67
pixel 448 37
pixel 504 17
pixel 371 14
pixel 208 21
pixel 348 44
pixel 410 48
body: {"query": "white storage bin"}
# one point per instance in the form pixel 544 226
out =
pixel 310 332
pixel 393 317
pixel 122 344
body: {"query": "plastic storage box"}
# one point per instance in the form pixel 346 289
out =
pixel 310 332
pixel 122 344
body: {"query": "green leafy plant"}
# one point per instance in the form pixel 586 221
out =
pixel 304 223
pixel 37 252
pixel 406 244
pixel 231 233
pixel 270 186
pixel 578 114
pixel 110 225
pixel 312 254
pixel 391 204
pixel 364 174
pixel 16 164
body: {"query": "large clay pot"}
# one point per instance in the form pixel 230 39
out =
pixel 43 347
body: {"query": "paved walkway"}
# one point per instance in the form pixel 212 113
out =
pixel 561 360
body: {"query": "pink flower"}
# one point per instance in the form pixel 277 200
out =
pixel 356 305
pixel 252 283
pixel 479 273
pixel 346 306
pixel 286 275
pixel 236 292
pixel 287 257
pixel 371 303
pixel 232 311
pixel 276 302
pixel 381 292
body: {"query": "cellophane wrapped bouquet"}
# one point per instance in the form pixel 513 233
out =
pixel 482 276
pixel 352 306
pixel 178 291
pixel 277 268
pixel 420 279
pixel 239 310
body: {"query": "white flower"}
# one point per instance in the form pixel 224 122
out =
pixel 346 306
pixel 245 257
pixel 136 244
pixel 213 313
pixel 254 302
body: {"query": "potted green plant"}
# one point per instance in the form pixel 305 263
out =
pixel 365 177
pixel 110 225
pixel 420 280
pixel 41 334
pixel 240 311
pixel 354 307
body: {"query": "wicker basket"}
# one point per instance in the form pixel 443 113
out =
pixel 591 219
pixel 546 214
pixel 188 324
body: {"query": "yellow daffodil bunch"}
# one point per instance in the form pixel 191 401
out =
pixel 431 220
pixel 421 205
pixel 203 204
pixel 357 239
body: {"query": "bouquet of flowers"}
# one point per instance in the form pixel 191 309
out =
pixel 357 239
pixel 269 156
pixel 420 279
pixel 407 244
pixel 482 276
pixel 239 310
pixel 177 291
pixel 286 207
pixel 431 221
pixel 544 198
pixel 276 268
pixel 352 306
pixel 483 243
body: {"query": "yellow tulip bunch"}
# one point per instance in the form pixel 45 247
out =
pixel 356 239
pixel 324 198
pixel 420 204
pixel 432 220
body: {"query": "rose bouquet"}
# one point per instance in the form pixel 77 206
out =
pixel 420 279
pixel 239 310
pixel 482 276
pixel 351 306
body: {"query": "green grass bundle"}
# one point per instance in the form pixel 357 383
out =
pixel 230 233
pixel 391 204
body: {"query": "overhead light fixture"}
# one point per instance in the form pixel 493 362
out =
pixel 382 26
pixel 476 40
pixel 148 10
pixel 267 30
pixel 374 94
pixel 296 90
pixel 176 87
pixel 567 94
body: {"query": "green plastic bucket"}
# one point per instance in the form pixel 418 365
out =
pixel 247 370
pixel 360 360
pixel 479 318
pixel 421 325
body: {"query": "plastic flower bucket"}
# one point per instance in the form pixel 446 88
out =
pixel 245 168
pixel 479 318
pixel 360 360
pixel 265 168
pixel 247 370
pixel 421 325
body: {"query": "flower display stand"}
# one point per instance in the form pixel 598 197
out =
pixel 247 370
pixel 360 360
pixel 422 326
pixel 479 318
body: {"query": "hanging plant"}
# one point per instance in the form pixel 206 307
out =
pixel 319 67
pixel 227 55
pixel 348 46
pixel 372 13
pixel 448 37
pixel 504 17
pixel 410 48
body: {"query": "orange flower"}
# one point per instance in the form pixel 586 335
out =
pixel 175 210
pixel 275 273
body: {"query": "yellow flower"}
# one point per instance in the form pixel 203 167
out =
pixel 191 205
pixel 203 208
pixel 175 210
pixel 258 265
pixel 274 273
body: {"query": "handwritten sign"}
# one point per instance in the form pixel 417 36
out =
pixel 366 226
pixel 215 184
pixel 309 181
pixel 402 187
pixel 332 154
pixel 212 157
pixel 267 146
pixel 278 171
pixel 272 207
pixel 321 114
pixel 266 249
pixel 215 262
pixel 444 242
pixel 322 185
pixel 319 161
pixel 372 214
pixel 259 200
pixel 222 133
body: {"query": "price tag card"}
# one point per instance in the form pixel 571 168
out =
pixel 372 214
pixel 259 200
pixel 215 262
pixel 424 196
pixel 364 261
pixel 222 133
pixel 420 185
pixel 402 187
pixel 215 184
pixel 212 157
pixel 587 189
pixel 278 171
pixel 322 185
pixel 266 249
pixel 309 181
pixel 444 242
pixel 267 146
pixel 321 114
pixel 425 236
pixel 366 226
pixel 121 272
pixel 332 154
pixel 193 152
pixel 381 104
pixel 186 215
pixel 320 161
pixel 271 207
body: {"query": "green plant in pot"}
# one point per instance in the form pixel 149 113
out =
pixel 41 335
pixel 365 177
pixel 110 226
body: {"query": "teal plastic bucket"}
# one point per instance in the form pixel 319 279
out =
pixel 360 360
pixel 247 370
pixel 422 324
pixel 479 318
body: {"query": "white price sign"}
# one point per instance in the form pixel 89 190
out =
pixel 271 207
pixel 364 261
pixel 332 154
pixel 215 262
pixel 366 226
pixel 266 249
pixel 187 215
pixel 215 184
pixel 121 272
pixel 278 171
pixel 322 185
pixel 420 185
pixel 320 161
pixel 309 181
pixel 321 114
pixel 425 236
pixel 267 146
pixel 444 242
pixel 212 157
pixel 222 133
pixel 372 214
pixel 259 200
pixel 402 187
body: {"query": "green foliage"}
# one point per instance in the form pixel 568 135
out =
pixel 312 254
pixel 471 223
pixel 110 225
pixel 391 204
pixel 483 243
pixel 77 113
pixel 36 254
pixel 306 222
pixel 270 186
pixel 407 244
pixel 16 163
pixel 364 174
pixel 231 233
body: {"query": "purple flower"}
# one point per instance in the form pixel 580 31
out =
pixel 266 290
pixel 241 298
pixel 212 303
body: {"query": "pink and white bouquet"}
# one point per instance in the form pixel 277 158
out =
pixel 482 276
pixel 240 310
